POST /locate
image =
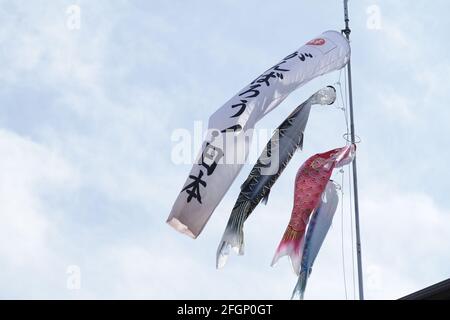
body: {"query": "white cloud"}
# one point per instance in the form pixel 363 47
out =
pixel 27 172
pixel 405 240
pixel 398 107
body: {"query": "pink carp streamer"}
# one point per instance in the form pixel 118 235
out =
pixel 310 182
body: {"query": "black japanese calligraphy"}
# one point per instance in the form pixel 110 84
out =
pixel 193 189
pixel 252 91
pixel 235 128
pixel 242 105
pixel 276 72
pixel 302 56
pixel 265 78
pixel 210 158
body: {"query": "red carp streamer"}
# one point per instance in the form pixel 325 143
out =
pixel 310 183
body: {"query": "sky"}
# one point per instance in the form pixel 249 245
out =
pixel 88 107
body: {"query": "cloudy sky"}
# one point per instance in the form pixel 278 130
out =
pixel 87 111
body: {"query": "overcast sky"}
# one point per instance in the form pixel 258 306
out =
pixel 87 114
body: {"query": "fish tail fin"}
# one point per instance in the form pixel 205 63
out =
pixel 233 236
pixel 300 287
pixel 291 245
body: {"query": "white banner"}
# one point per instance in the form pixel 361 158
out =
pixel 226 145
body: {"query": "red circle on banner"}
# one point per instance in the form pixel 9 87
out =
pixel 317 42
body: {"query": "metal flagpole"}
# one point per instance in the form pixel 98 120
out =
pixel 347 31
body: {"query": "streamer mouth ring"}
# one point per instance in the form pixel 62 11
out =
pixel 334 89
pixel 347 137
pixel 325 96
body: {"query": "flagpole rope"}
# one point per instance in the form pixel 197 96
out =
pixel 350 190
pixel 342 186
pixel 344 108
pixel 350 186
pixel 342 235
pixel 347 32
